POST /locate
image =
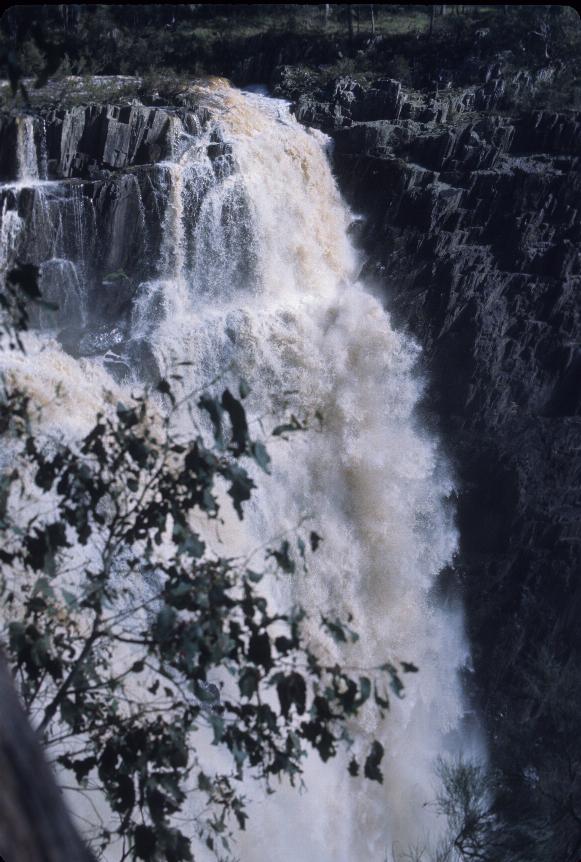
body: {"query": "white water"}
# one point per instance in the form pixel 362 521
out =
pixel 265 281
pixel 258 276
pixel 10 227
pixel 27 162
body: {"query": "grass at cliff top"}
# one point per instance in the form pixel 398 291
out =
pixel 388 20
pixel 310 20
pixel 247 43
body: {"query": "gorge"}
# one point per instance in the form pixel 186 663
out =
pixel 435 326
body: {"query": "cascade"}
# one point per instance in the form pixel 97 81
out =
pixel 10 227
pixel 26 157
pixel 295 319
pixel 257 278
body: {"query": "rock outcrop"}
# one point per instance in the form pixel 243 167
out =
pixel 473 230
pixel 90 184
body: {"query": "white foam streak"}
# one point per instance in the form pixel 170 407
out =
pixel 10 227
pixel 26 157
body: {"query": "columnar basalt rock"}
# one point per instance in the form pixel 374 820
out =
pixel 93 212
pixel 473 230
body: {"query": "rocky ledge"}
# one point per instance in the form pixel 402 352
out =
pixel 473 230
pixel 90 181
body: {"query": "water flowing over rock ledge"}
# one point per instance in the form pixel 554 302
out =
pixel 473 231
pixel 91 183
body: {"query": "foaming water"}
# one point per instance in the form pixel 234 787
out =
pixel 10 227
pixel 257 278
pixel 67 392
pixel 297 321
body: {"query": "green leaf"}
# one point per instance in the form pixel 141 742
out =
pixel 364 689
pixel 374 758
pixel 71 600
pixel 217 723
pixel 165 623
pixel 69 712
pixel 291 689
pixel 315 540
pixel 187 541
pixel 248 682
pixel 240 486
pixel 283 558
pixel 259 650
pixel 238 421
pixel 214 410
pixel 338 631
pixel 382 702
pixel 145 842
pixel 288 427
pixel 127 416
pixel 165 389
pixel 43 587
pixel 260 455
pixel 408 667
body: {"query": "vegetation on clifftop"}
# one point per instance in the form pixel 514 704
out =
pixel 247 42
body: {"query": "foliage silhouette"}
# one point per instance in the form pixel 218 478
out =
pixel 130 639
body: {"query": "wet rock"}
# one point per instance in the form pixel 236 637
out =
pixel 106 136
pixel 83 141
pixel 473 226
pixel 94 341
pixel 142 358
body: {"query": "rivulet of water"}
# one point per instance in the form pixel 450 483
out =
pixel 264 283
pixel 27 160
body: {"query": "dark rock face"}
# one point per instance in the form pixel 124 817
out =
pixel 95 219
pixel 92 141
pixel 473 229
pixel 105 137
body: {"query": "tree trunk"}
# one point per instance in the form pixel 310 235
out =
pixel 372 19
pixel 34 823
pixel 350 23
pixel 432 17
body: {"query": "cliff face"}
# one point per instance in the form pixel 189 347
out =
pixel 84 198
pixel 473 230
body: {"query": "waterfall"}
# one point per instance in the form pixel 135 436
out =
pixel 10 227
pixel 26 157
pixel 271 293
pixel 257 278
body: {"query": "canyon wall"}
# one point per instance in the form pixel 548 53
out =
pixel 472 230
